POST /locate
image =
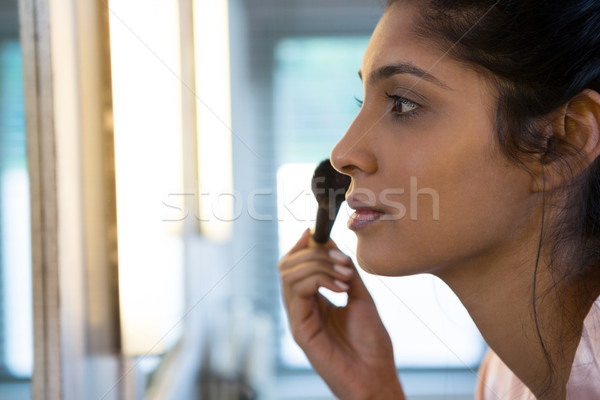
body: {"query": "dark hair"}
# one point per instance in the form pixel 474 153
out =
pixel 538 55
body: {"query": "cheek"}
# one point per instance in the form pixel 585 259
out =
pixel 460 201
pixel 456 163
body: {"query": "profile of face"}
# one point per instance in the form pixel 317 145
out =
pixel 433 192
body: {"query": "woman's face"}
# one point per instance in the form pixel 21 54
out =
pixel 429 183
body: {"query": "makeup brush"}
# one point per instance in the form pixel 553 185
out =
pixel 329 187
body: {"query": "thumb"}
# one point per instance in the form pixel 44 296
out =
pixel 302 243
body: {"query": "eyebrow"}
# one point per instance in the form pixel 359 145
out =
pixel 403 68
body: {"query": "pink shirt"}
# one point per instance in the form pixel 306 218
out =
pixel 496 380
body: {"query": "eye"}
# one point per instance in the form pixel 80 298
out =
pixel 401 105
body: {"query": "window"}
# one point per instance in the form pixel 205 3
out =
pixel 16 330
pixel 315 83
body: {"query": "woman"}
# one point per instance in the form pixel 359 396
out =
pixel 495 106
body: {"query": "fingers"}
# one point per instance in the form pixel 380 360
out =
pixel 332 256
pixel 306 277
pixel 358 290
pixel 310 285
pixel 305 268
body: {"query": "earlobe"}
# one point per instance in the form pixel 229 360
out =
pixel 572 141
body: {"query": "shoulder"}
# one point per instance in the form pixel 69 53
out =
pixel 497 381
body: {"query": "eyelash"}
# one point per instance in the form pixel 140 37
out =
pixel 398 102
pixel 397 99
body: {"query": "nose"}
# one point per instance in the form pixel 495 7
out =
pixel 354 153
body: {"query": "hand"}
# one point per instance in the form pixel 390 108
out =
pixel 348 346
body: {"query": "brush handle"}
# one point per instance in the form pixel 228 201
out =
pixel 325 220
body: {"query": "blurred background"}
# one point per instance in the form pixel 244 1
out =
pixel 155 164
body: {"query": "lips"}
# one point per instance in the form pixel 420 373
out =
pixel 363 217
pixel 364 214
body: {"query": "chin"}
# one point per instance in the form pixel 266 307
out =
pixel 374 261
pixel 389 260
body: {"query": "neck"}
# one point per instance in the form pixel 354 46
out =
pixel 498 294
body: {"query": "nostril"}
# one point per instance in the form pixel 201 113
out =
pixel 347 169
pixel 340 163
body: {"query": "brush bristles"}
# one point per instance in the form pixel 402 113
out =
pixel 328 183
pixel 329 187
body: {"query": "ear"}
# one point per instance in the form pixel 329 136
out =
pixel 572 141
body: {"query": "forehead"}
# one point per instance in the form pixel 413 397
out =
pixel 394 42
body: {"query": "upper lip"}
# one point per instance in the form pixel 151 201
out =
pixel 357 204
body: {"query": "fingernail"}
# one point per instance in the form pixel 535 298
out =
pixel 338 255
pixel 342 270
pixel 341 284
